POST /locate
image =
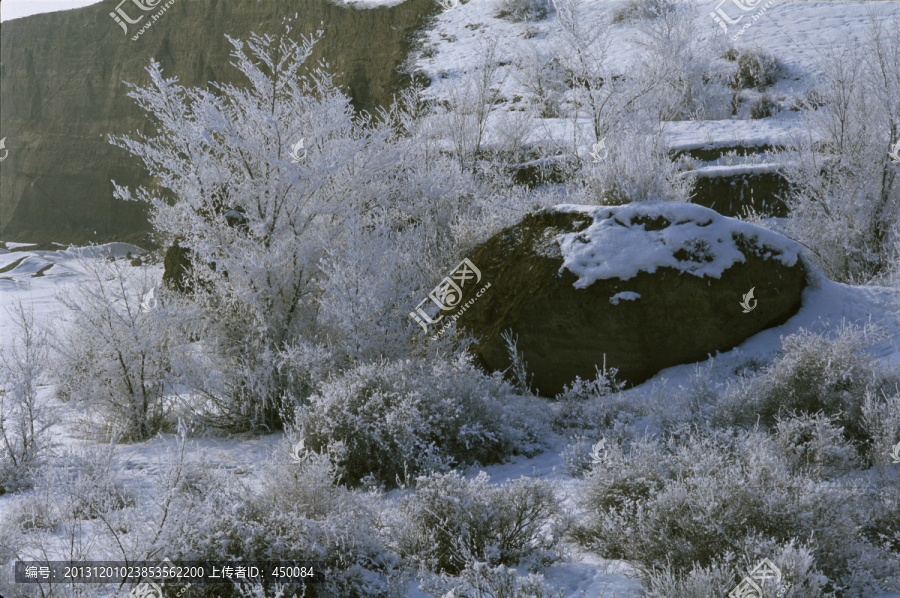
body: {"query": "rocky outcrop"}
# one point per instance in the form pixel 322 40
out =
pixel 62 92
pixel 730 189
pixel 648 285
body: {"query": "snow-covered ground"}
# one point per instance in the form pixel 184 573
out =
pixel 826 305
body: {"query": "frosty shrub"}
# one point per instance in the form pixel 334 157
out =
pixel 593 407
pixel 814 444
pixel 573 414
pixel 639 9
pixel 524 10
pixel 702 497
pixel 82 485
pixel 112 355
pixel 688 405
pixel 368 287
pixel 638 168
pixel 452 522
pixel 623 480
pixel 699 582
pixel 297 512
pixel 844 203
pixel 542 77
pixel 763 107
pixel 796 565
pixel 277 188
pixel 679 75
pixel 881 421
pixel 24 437
pixel 818 372
pixel 387 418
pixel 88 482
pixel 753 68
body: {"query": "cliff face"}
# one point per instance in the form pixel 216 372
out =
pixel 62 92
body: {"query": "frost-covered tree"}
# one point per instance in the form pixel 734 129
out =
pixel 682 75
pixel 23 418
pixel 113 354
pixel 845 207
pixel 332 241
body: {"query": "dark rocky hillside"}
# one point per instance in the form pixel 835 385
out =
pixel 61 76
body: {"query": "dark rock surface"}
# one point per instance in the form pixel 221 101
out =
pixel 176 264
pixel 62 94
pixel 684 271
pixel 730 191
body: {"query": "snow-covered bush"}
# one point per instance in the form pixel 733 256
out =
pixel 466 121
pixel 88 482
pixel 273 187
pixel 452 522
pixel 524 10
pixel 814 444
pixel 753 68
pixel 844 204
pixel 720 578
pixel 369 286
pixel 112 354
pixel 688 405
pixel 679 75
pixel 24 438
pixel 298 512
pixel 881 421
pixel 637 168
pixel 581 45
pixel 592 407
pixel 543 77
pixel 817 372
pixel 81 485
pixel 387 418
pixel 763 107
pixel 706 496
pixel 639 9
pixel 622 480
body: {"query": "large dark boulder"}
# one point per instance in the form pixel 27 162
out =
pixel 649 285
